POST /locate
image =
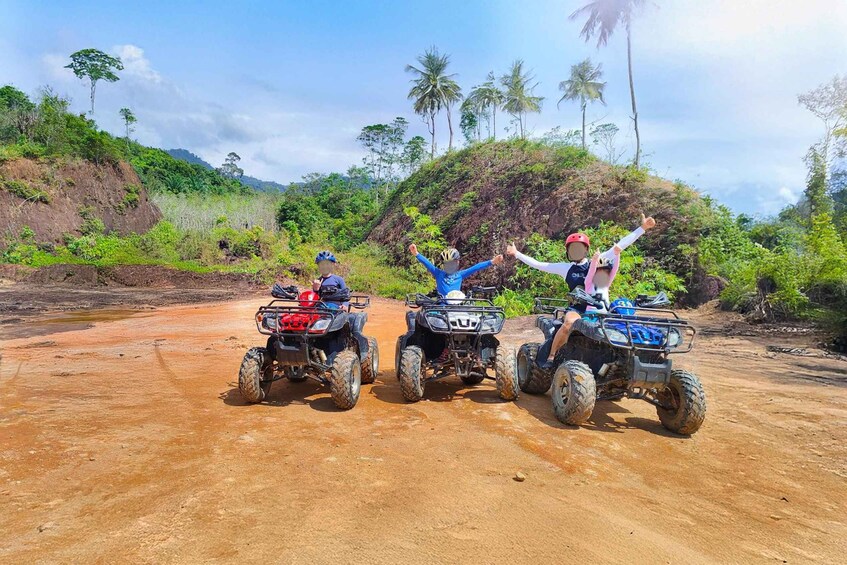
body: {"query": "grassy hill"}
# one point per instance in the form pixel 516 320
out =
pixel 489 194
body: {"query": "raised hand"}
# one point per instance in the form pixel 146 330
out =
pixel 647 223
pixel 617 249
pixel 511 250
pixel 596 256
pixel 497 259
pixel 413 249
pixel 316 285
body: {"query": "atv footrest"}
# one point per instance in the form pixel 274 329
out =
pixel 650 375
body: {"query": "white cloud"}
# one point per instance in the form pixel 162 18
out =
pixel 135 63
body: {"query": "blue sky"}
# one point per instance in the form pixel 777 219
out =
pixel 288 85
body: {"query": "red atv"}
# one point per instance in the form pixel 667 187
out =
pixel 315 336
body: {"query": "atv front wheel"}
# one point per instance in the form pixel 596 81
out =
pixel 686 403
pixel 506 373
pixel 531 378
pixel 370 366
pixel 345 379
pixel 574 392
pixel 254 377
pixel 410 373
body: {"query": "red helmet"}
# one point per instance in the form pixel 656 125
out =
pixel 578 238
pixel 309 298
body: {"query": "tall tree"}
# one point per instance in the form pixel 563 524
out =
pixel 603 17
pixel 95 65
pixel 414 154
pixel 129 119
pixel 518 99
pixel 433 90
pixel 829 103
pixel 604 135
pixel 230 167
pixel 583 85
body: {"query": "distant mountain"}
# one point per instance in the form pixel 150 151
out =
pixel 253 182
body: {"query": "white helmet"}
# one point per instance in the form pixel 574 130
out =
pixel 455 297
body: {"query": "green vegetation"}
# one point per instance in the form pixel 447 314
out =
pixel 23 190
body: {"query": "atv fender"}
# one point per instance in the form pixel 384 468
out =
pixel 357 322
pixel 410 321
pixel 362 341
pixel 548 326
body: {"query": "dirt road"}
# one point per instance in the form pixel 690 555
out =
pixel 128 442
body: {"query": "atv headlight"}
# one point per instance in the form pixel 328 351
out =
pixel 437 323
pixel 321 325
pixel 617 336
pixel 674 338
pixel 270 322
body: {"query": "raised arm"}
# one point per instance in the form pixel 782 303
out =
pixel 629 239
pixel 560 269
pixel 413 249
pixel 475 269
pixel 615 265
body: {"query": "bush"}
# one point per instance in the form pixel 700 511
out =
pixel 23 190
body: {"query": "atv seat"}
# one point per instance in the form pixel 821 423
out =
pixel 548 325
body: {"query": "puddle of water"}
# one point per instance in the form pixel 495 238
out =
pixel 55 322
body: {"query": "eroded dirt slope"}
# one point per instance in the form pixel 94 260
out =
pixel 129 442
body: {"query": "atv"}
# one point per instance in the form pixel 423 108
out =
pixel 454 335
pixel 315 336
pixel 611 354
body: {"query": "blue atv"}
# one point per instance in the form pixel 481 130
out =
pixel 617 352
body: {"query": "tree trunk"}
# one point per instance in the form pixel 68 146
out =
pixel 432 133
pixel 93 86
pixel 494 116
pixel 450 126
pixel 583 126
pixel 632 98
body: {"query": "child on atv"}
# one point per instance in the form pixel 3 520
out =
pixel 449 279
pixel 575 272
pixel 331 287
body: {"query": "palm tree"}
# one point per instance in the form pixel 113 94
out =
pixel 433 90
pixel 603 18
pixel 585 86
pixel 489 96
pixel 518 96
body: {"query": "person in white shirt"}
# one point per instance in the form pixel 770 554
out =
pixel 574 271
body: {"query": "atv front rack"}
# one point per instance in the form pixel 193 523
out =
pixel 456 324
pixel 685 331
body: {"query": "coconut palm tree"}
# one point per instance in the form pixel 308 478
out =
pixel 603 18
pixel 490 97
pixel 518 100
pixel 433 90
pixel 583 85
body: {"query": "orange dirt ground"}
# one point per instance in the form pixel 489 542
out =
pixel 129 442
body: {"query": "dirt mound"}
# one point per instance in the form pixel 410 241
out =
pixel 49 196
pixel 489 194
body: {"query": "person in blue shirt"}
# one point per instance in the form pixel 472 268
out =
pixel 328 281
pixel 449 277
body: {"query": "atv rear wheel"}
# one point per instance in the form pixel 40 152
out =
pixel 574 392
pixel 506 373
pixel 684 394
pixel 254 375
pixel 370 366
pixel 345 379
pixel 410 373
pixel 531 378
